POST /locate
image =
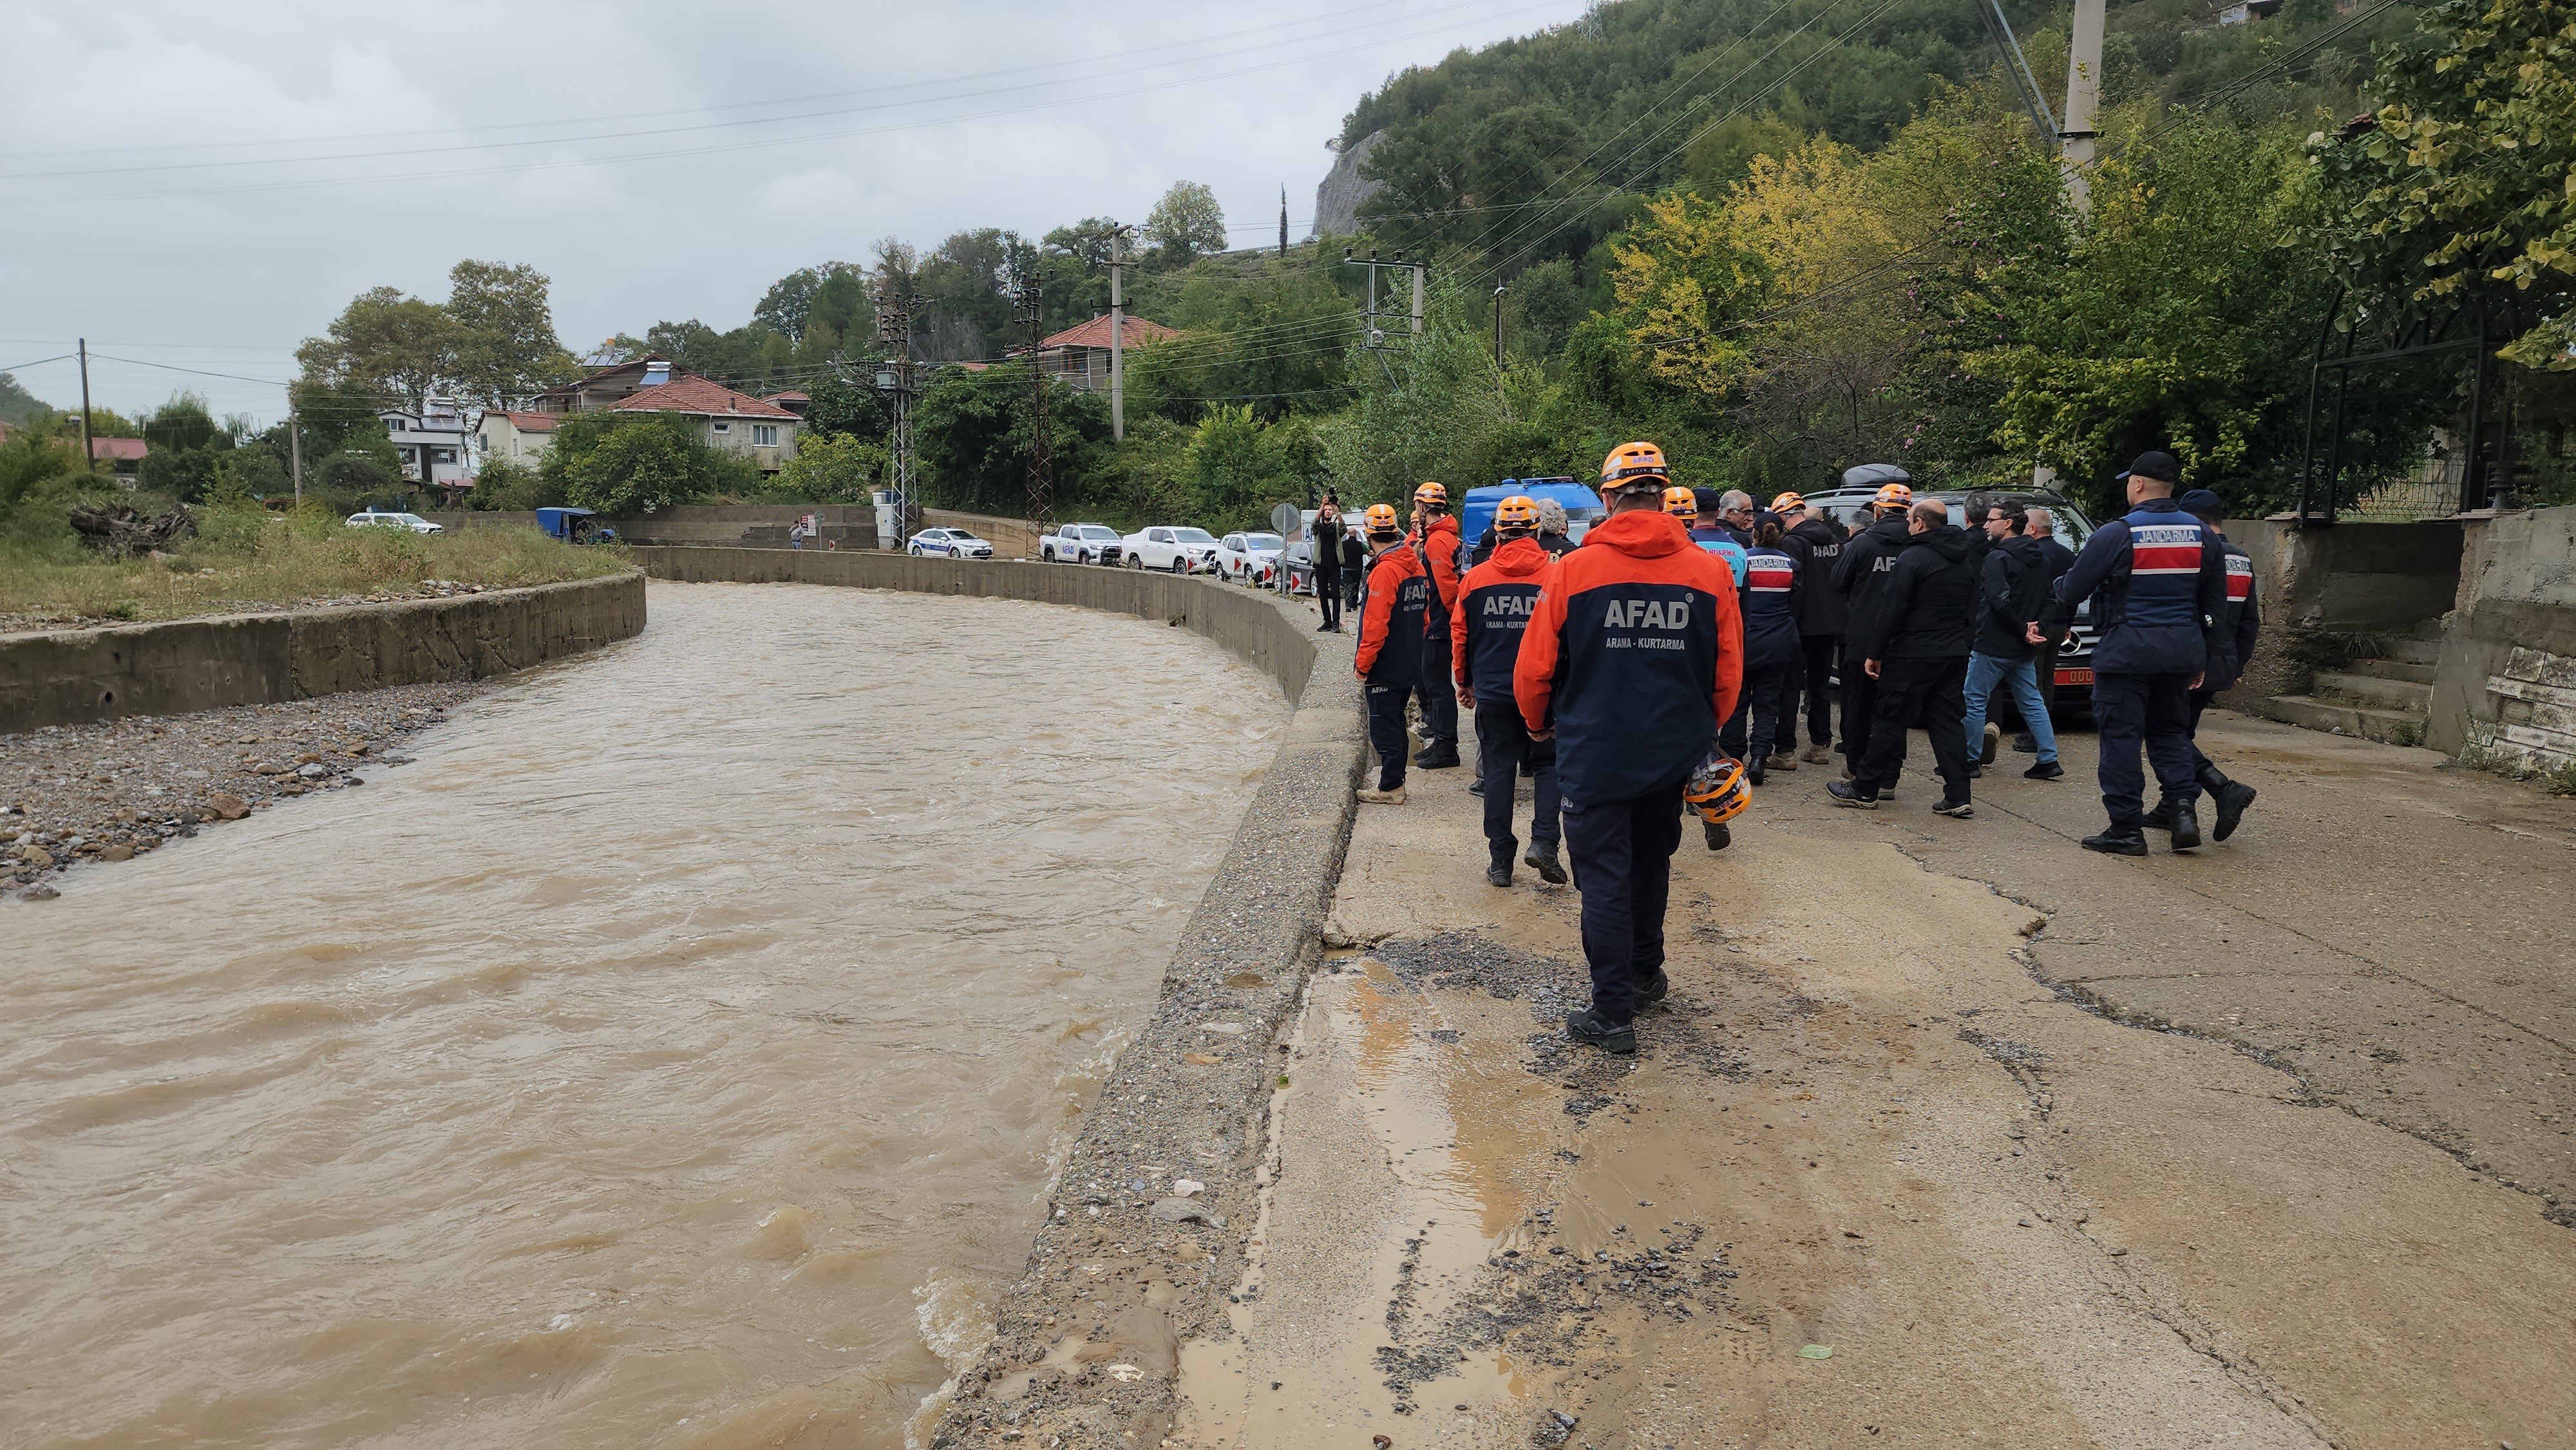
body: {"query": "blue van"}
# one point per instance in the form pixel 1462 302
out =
pixel 1582 506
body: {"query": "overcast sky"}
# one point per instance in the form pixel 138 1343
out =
pixel 203 186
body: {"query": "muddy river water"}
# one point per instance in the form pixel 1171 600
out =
pixel 674 1055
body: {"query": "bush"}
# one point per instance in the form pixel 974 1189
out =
pixel 636 464
pixel 834 469
pixel 504 484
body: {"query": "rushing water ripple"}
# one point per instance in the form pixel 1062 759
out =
pixel 673 1055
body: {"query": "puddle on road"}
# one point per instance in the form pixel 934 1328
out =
pixel 675 1054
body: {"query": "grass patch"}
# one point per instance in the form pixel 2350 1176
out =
pixel 246 558
pixel 2515 765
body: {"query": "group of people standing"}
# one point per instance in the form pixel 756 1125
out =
pixel 1658 667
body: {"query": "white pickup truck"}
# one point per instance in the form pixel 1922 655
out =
pixel 1181 550
pixel 1080 544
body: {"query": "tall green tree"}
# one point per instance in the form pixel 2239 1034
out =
pixel 505 344
pixel 1186 223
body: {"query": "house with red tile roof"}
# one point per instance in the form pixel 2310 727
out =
pixel 1080 354
pixel 517 436
pixel 736 422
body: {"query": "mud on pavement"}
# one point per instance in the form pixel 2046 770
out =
pixel 1866 1181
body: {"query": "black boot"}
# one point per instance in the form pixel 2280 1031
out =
pixel 1438 755
pixel 2185 827
pixel 1588 1025
pixel 1657 988
pixel 1719 837
pixel 1499 874
pixel 2162 817
pixel 2229 798
pixel 2113 841
pixel 1550 869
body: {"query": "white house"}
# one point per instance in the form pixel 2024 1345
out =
pixel 519 437
pixel 431 444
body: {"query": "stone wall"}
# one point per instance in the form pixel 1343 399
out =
pixel 2507 676
pixel 69 676
pixel 2351 578
pixel 848 526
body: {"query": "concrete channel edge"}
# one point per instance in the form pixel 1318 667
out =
pixel 68 677
pixel 1086 1348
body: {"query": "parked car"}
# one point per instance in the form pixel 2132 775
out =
pixel 1249 558
pixel 578 526
pixel 1079 544
pixel 388 519
pixel 1181 550
pixel 952 543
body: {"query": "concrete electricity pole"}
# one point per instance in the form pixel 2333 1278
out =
pixel 1117 337
pixel 89 451
pixel 1498 329
pixel 295 448
pixel 2083 104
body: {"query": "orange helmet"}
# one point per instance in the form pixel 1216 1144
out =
pixel 1380 518
pixel 1681 503
pixel 1718 790
pixel 1431 496
pixel 1894 496
pixel 1520 511
pixel 1784 503
pixel 1634 463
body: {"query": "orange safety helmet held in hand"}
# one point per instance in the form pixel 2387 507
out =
pixel 1381 518
pixel 1894 496
pixel 1634 463
pixel 1432 496
pixel 1718 790
pixel 1520 511
pixel 1681 503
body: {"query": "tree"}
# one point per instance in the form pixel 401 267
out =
pixel 396 349
pixel 841 408
pixel 624 465
pixel 505 345
pixel 830 469
pixel 18 407
pixel 1185 223
pixel 1681 278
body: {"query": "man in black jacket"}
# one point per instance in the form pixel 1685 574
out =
pixel 1324 542
pixel 2015 586
pixel 1817 545
pixel 1915 646
pixel 1860 576
pixel 1355 559
pixel 2041 526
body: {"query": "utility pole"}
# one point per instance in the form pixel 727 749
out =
pixel 1498 329
pixel 2083 105
pixel 89 451
pixel 1117 337
pixel 295 448
pixel 1376 336
pixel 895 376
pixel 1283 223
pixel 1041 459
pixel 1418 270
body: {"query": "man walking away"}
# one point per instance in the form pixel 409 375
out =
pixel 1495 601
pixel 1435 547
pixel 1634 656
pixel 1769 605
pixel 1817 546
pixel 2042 527
pixel 1325 541
pixel 1916 648
pixel 2239 622
pixel 1860 576
pixel 2158 582
pixel 1355 562
pixel 1390 656
pixel 2014 587
pixel 1552 529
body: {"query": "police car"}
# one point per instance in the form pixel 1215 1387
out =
pixel 1849 504
pixel 950 543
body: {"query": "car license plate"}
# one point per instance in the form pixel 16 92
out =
pixel 2074 677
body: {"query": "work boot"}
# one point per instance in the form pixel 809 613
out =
pixel 1849 793
pixel 2114 841
pixel 2162 817
pixel 1393 797
pixel 1815 753
pixel 2025 744
pixel 1955 809
pixel 1499 874
pixel 1753 774
pixel 1588 1025
pixel 1719 837
pixel 1543 859
pixel 1994 737
pixel 2186 826
pixel 1438 755
pixel 1780 762
pixel 1656 989
pixel 2232 798
pixel 2045 770
pixel 1476 787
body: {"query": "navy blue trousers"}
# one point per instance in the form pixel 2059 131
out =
pixel 1622 854
pixel 1386 732
pixel 2153 710
pixel 1439 690
pixel 1503 746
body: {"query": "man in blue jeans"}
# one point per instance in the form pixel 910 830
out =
pixel 2015 587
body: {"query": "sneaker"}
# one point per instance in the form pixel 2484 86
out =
pixel 2116 842
pixel 1543 860
pixel 1994 737
pixel 2045 770
pixel 2233 798
pixel 1588 1025
pixel 1846 793
pixel 1656 989
pixel 1438 755
pixel 1815 754
pixel 2025 744
pixel 1780 762
pixel 2186 827
pixel 1956 810
pixel 1319 629
pixel 1393 797
pixel 1499 875
pixel 1719 837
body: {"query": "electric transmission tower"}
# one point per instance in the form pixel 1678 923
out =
pixel 895 380
pixel 1041 457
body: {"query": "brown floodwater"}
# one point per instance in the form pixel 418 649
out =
pixel 676 1054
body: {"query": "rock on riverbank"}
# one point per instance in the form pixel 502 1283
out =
pixel 71 794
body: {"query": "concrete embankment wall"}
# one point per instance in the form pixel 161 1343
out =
pixel 764 526
pixel 69 676
pixel 1191 1093
pixel 2348 579
pixel 2507 676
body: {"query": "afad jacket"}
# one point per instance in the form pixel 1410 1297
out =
pixel 1817 546
pixel 1634 657
pixel 1391 626
pixel 1930 595
pixel 1769 601
pixel 1438 549
pixel 1495 602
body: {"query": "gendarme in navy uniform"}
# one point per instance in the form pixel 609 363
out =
pixel 2158 582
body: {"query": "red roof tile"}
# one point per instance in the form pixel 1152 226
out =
pixel 533 422
pixel 701 397
pixel 1095 333
pixel 790 396
pixel 116 448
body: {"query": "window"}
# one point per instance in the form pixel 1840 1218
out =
pixel 723 427
pixel 1160 536
pixel 396 425
pixel 446 455
pixel 764 435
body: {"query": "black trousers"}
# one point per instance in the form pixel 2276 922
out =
pixel 2202 766
pixel 1439 688
pixel 1386 732
pixel 1622 853
pixel 1860 707
pixel 1815 677
pixel 1503 746
pixel 1939 690
pixel 1328 595
pixel 2150 710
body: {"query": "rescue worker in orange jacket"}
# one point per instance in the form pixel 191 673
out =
pixel 1495 602
pixel 1436 547
pixel 1635 656
pixel 1390 654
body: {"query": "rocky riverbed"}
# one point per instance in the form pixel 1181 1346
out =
pixel 73 795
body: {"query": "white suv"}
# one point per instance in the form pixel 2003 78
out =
pixel 1181 550
pixel 372 518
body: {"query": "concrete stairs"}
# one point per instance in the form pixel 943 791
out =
pixel 2386 699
